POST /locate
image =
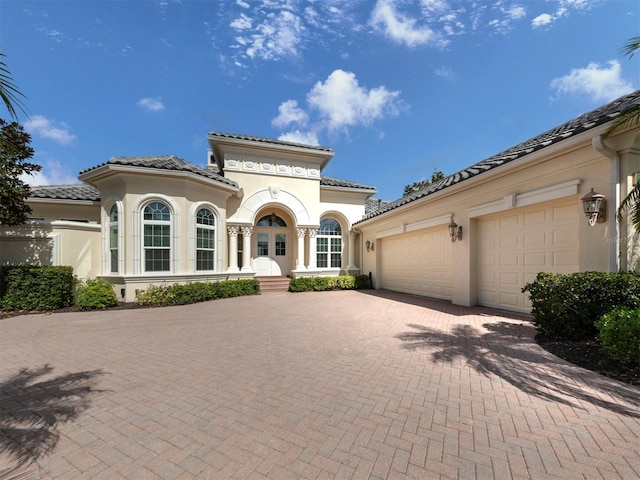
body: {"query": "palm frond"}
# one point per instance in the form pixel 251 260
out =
pixel 628 119
pixel 632 46
pixel 631 203
pixel 9 93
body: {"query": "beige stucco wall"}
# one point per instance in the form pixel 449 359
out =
pixel 55 241
pixel 569 169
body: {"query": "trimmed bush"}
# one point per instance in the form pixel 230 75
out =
pixel 95 295
pixel 620 335
pixel 568 305
pixel 318 284
pixel 183 294
pixel 40 288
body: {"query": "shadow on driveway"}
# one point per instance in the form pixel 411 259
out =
pixel 509 351
pixel 32 406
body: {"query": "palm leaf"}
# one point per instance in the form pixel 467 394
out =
pixel 631 203
pixel 9 92
pixel 628 119
pixel 632 46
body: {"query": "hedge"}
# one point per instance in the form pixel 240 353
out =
pixel 343 282
pixel 96 294
pixel 41 288
pixel 183 294
pixel 619 332
pixel 568 305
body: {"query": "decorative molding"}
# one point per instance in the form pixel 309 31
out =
pixel 428 223
pixel 233 230
pixel 540 195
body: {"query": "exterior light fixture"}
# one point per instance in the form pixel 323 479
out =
pixel 455 231
pixel 370 246
pixel 593 204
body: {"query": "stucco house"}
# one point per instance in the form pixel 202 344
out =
pixel 262 207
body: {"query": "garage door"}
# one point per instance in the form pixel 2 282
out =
pixel 513 247
pixel 418 263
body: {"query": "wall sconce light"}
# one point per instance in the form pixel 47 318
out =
pixel 455 231
pixel 594 207
pixel 370 246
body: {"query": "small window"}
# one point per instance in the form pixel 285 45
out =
pixel 113 240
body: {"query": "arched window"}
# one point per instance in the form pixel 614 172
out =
pixel 113 240
pixel 205 239
pixel 329 244
pixel 157 237
pixel 272 220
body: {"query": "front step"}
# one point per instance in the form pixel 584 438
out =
pixel 273 284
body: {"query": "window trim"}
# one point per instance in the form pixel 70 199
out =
pixel 328 254
pixel 211 228
pixel 138 234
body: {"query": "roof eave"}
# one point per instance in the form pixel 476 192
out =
pixel 108 170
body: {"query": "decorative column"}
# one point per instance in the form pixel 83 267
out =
pixel 300 261
pixel 233 249
pixel 352 251
pixel 313 247
pixel 246 249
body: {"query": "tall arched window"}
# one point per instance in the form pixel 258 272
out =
pixel 329 244
pixel 113 240
pixel 157 237
pixel 205 239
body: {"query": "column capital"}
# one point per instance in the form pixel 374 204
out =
pixel 301 232
pixel 233 230
pixel 312 232
pixel 247 231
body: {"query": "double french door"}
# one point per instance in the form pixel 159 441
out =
pixel 271 252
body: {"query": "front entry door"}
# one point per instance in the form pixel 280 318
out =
pixel 271 252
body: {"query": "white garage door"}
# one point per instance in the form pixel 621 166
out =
pixel 418 263
pixel 513 247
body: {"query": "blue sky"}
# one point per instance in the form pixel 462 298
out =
pixel 397 88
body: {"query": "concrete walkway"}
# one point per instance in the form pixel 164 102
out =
pixel 311 385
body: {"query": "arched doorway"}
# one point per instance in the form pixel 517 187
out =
pixel 272 245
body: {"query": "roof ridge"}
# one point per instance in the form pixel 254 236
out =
pixel 270 140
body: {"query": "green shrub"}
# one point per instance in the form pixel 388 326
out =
pixel 41 288
pixel 620 335
pixel 183 294
pixel 343 282
pixel 568 305
pixel 96 294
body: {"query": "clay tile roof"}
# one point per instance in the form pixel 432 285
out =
pixel 66 192
pixel 569 129
pixel 334 182
pixel 269 140
pixel 165 162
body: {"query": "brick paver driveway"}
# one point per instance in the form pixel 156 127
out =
pixel 317 385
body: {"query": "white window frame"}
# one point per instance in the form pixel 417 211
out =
pixel 210 228
pixel 154 222
pixel 328 254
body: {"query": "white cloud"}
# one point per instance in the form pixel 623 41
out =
pixel 306 138
pixel 278 35
pixel 242 4
pixel 564 8
pixel 53 173
pixel 342 102
pixel 508 16
pixel 336 104
pixel 445 72
pixel 290 113
pixel 602 83
pixel 542 20
pixel 41 126
pixel 151 104
pixel 401 28
pixel 243 22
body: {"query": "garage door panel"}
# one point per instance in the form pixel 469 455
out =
pixel 529 240
pixel 538 217
pixel 418 263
